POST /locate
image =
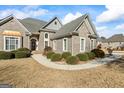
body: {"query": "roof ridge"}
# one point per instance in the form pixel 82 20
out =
pixel 34 19
pixel 74 19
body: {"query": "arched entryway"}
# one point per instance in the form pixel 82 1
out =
pixel 33 44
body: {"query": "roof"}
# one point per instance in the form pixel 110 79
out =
pixel 32 25
pixel 6 19
pixel 101 39
pixel 115 38
pixel 70 27
pixel 51 22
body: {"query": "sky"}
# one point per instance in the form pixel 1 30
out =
pixel 108 19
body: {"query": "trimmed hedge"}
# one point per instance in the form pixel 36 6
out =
pixel 6 55
pixel 49 55
pixel 72 60
pixel 26 50
pixel 65 55
pixel 56 57
pixel 22 49
pixel 98 53
pixel 21 54
pixel 91 55
pixel 83 56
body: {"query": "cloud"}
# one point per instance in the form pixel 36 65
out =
pixel 109 31
pixel 120 27
pixel 100 28
pixel 69 17
pixel 111 14
pixel 28 11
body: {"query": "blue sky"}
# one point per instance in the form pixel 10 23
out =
pixel 108 19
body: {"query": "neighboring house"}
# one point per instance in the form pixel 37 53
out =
pixel 76 36
pixel 115 41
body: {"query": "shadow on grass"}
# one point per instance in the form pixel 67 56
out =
pixel 117 64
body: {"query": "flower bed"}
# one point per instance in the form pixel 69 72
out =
pixel 66 57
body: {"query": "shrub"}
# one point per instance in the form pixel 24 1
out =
pixel 46 50
pixel 65 55
pixel 6 55
pixel 21 54
pixel 83 57
pixel 72 60
pixel 26 50
pixel 23 49
pixel 50 54
pixel 56 57
pixel 98 53
pixel 91 55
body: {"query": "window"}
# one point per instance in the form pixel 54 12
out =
pixel 46 39
pixel 92 44
pixel 11 43
pixel 46 43
pixel 82 44
pixel 54 44
pixel 46 35
pixel 65 44
pixel 55 23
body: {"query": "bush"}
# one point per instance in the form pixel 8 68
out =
pixel 50 54
pixel 56 57
pixel 23 49
pixel 98 53
pixel 91 55
pixel 83 57
pixel 72 60
pixel 26 50
pixel 6 55
pixel 46 50
pixel 65 55
pixel 21 54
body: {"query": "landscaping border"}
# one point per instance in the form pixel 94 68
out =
pixel 91 64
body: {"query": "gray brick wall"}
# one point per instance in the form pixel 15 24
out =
pixel 13 25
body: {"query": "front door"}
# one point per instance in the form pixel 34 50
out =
pixel 33 44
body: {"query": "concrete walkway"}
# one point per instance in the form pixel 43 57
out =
pixel 91 64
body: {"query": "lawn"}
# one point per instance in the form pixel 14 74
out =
pixel 28 73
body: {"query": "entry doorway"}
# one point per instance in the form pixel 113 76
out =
pixel 33 44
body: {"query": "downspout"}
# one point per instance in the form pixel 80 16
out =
pixel 72 46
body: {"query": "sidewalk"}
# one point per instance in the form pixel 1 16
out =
pixel 91 64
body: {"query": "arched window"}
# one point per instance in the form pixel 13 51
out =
pixel 46 35
pixel 46 39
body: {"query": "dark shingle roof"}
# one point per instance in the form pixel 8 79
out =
pixel 101 39
pixel 33 25
pixel 115 38
pixel 69 27
pixel 6 19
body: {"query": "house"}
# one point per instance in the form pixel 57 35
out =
pixel 115 41
pixel 77 36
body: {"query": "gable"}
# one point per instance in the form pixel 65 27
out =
pixel 13 25
pixel 54 24
pixel 86 27
pixel 89 26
